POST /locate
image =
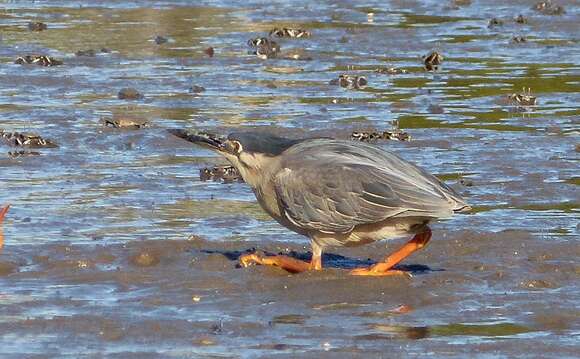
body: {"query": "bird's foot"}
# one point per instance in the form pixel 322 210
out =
pixel 290 264
pixel 372 271
pixel 3 212
pixel 386 267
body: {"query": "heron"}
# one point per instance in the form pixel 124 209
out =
pixel 338 193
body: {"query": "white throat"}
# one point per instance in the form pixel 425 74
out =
pixel 252 167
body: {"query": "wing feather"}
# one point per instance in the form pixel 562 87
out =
pixel 333 186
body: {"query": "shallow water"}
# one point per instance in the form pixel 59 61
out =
pixel 96 257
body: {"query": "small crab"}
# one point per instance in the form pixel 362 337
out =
pixel 37 26
pixel 520 19
pixel 395 134
pixel 91 52
pixel 391 71
pixel 226 173
pixel 494 22
pixel 129 93
pixel 432 61
pixel 288 32
pixel 26 140
pixel 350 81
pixel 466 182
pixel 125 122
pixel 21 153
pixel 365 136
pixel 259 41
pixel 196 89
pixel 523 99
pixel 385 135
pixel 159 40
pixel 40 60
pixel 549 8
pixel 266 52
pixel 264 48
pixel 86 53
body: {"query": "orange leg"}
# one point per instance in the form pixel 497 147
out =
pixel 290 264
pixel 384 268
pixel 3 212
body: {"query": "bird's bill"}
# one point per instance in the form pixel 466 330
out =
pixel 204 139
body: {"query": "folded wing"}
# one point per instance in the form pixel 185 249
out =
pixel 333 186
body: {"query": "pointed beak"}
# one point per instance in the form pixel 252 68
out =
pixel 208 140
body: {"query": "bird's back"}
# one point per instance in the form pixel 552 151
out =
pixel 334 185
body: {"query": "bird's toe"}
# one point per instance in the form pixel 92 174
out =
pixel 247 260
pixel 371 272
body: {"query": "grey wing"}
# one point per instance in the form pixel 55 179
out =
pixel 331 200
pixel 335 198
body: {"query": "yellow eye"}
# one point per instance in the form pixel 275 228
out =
pixel 234 147
pixel 237 147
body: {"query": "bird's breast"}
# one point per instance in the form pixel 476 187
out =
pixel 268 200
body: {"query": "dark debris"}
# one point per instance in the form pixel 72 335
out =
pixel 40 60
pixel 373 136
pixel 26 140
pixel 129 93
pixel 227 174
pixel 288 32
pixel 350 81
pixel 264 48
pixel 549 8
pixel 37 26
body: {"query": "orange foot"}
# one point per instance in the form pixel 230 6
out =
pixel 385 268
pixel 373 272
pixel 290 264
pixel 3 212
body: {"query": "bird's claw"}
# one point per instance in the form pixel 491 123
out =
pixel 247 260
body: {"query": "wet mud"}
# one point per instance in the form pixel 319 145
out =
pixel 114 246
pixel 188 297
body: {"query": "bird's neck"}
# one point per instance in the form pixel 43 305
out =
pixel 255 169
pixel 260 176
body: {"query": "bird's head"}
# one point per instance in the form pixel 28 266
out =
pixel 249 152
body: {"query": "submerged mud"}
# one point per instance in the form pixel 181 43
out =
pixel 114 246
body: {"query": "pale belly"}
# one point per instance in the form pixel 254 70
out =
pixel 368 233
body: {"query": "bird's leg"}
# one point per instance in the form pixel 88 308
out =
pixel 290 264
pixel 3 212
pixel 384 268
pixel 316 261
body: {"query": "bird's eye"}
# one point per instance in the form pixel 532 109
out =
pixel 234 147
pixel 237 147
